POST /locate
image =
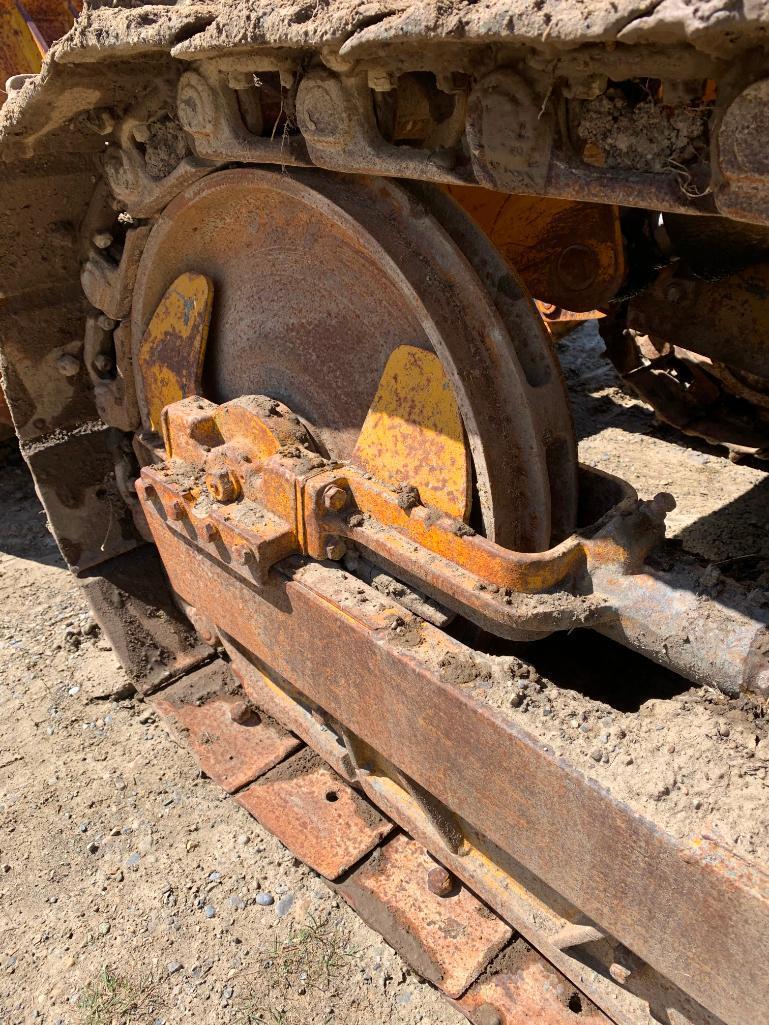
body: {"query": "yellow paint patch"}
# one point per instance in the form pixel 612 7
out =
pixel 413 432
pixel 173 347
pixel 19 53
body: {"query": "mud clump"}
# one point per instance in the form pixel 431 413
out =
pixel 646 136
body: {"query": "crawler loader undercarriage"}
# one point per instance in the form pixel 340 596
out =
pixel 269 346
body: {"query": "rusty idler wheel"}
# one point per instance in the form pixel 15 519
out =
pixel 318 278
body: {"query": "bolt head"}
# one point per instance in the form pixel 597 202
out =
pixel 210 532
pixel 102 240
pixel 102 363
pixel 243 712
pixel 222 486
pixel 106 323
pixel 440 881
pixel 335 549
pixel 335 498
pixel 487 1014
pixel 176 511
pixel 68 365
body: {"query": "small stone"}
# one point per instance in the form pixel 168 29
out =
pixel 243 839
pixel 264 900
pixel 104 928
pixel 516 700
pixel 228 992
pixel 209 911
pixel 173 967
pixel 596 754
pixel 133 859
pixel 73 691
pixel 147 716
pixel 723 730
pixel 214 877
pixel 236 902
pixel 284 905
pixel 83 827
pixel 697 804
pixel 92 847
pixel 5 868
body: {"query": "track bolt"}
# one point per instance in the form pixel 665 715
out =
pixel 102 240
pixel 222 486
pixel 243 712
pixel 335 549
pixel 67 364
pixel 106 323
pixel 210 532
pixel 102 363
pixel 440 881
pixel 176 511
pixel 487 1014
pixel 335 498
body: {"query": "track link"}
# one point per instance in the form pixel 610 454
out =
pixel 441 929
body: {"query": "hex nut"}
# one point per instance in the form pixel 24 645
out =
pixel 222 486
pixel 335 498
pixel 210 532
pixel 102 363
pixel 335 548
pixel 176 511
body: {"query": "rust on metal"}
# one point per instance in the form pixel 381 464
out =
pixel 283 509
pixel 279 323
pixel 449 940
pixel 343 654
pixel 528 991
pixel 413 433
pixel 232 749
pixel 315 814
pixel 569 254
pixel 170 359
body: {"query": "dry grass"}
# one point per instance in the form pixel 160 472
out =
pixel 308 958
pixel 113 1000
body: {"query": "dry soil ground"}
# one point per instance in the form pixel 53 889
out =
pixel 130 890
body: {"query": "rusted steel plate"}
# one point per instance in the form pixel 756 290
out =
pixel 413 433
pixel 286 704
pixel 315 814
pixel 569 254
pixel 134 606
pixel 231 752
pixel 449 940
pixel 671 902
pixel 523 989
pixel 171 351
